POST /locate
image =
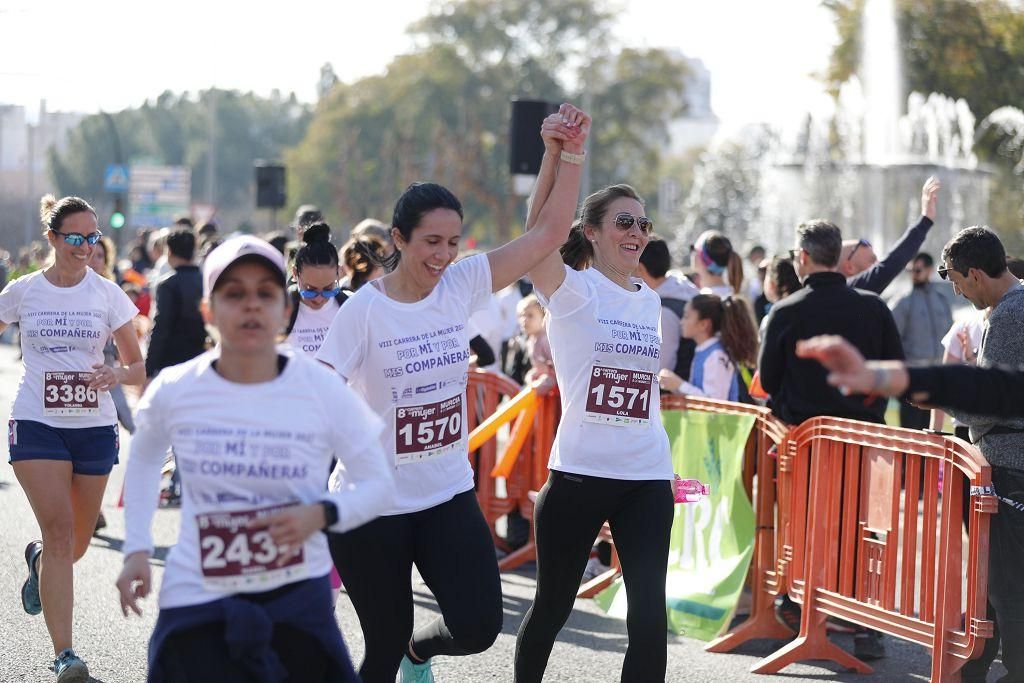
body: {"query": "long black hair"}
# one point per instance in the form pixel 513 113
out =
pixel 418 200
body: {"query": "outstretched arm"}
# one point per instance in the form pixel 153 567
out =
pixel 879 276
pixel 551 210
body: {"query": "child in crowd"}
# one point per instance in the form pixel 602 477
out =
pixel 726 340
pixel 528 360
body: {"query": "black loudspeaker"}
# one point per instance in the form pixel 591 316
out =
pixel 270 192
pixel 525 147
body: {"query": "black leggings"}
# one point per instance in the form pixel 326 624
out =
pixel 571 509
pixel 451 547
pixel 201 654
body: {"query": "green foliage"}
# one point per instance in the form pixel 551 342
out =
pixel 442 113
pixel 970 49
pixel 176 130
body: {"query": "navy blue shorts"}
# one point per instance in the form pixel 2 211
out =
pixel 90 450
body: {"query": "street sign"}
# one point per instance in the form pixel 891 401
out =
pixel 159 194
pixel 115 178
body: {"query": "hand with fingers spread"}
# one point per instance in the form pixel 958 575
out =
pixel 291 527
pixel 134 582
pixel 849 371
pixel 104 377
pixel 930 197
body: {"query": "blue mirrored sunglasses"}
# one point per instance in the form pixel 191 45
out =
pixel 325 293
pixel 77 239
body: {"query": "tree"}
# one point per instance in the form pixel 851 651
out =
pixel 175 129
pixel 442 112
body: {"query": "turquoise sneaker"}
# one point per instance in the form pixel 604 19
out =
pixel 70 668
pixel 30 589
pixel 415 673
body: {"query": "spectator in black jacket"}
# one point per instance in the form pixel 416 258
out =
pixel 862 268
pixel 825 305
pixel 178 332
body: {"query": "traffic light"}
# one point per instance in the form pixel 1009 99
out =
pixel 117 218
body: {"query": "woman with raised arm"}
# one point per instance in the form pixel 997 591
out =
pixel 402 341
pixel 610 460
pixel 63 432
pixel 254 427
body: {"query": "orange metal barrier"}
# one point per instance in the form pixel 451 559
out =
pixel 856 542
pixel 485 391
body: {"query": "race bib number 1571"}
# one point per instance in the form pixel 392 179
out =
pixel 619 397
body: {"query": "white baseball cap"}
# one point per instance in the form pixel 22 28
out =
pixel 231 250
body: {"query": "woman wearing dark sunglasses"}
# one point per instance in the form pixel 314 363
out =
pixel 63 430
pixel 316 294
pixel 610 460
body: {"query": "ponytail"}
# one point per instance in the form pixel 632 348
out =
pixel 734 272
pixel 577 252
pixel 732 319
pixel 739 332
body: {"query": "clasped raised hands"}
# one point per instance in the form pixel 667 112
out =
pixel 565 130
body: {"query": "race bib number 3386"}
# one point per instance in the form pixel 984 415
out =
pixel 67 394
pixel 619 397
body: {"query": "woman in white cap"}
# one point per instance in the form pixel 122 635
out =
pixel 245 593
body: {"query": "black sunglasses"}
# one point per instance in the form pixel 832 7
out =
pixel 944 271
pixel 794 254
pixel 625 221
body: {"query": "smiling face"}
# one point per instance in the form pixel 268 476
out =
pixel 67 256
pixel 248 307
pixel 617 248
pixel 432 246
pixel 316 278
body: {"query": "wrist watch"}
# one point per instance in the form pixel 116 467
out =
pixel 330 513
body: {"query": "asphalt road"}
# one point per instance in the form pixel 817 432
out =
pixel 590 647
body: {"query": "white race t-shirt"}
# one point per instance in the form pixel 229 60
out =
pixel 410 361
pixel 605 342
pixel 974 326
pixel 242 448
pixel 311 326
pixel 63 333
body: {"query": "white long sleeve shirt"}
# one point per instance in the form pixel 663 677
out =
pixel 241 449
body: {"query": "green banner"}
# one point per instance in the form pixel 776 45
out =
pixel 712 540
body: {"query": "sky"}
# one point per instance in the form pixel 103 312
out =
pixel 112 54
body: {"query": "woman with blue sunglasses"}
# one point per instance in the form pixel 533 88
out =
pixel 317 293
pixel 63 431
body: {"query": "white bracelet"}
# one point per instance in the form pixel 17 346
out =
pixel 571 158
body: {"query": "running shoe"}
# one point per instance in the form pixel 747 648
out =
pixel 415 673
pixel 70 668
pixel 101 523
pixel 30 589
